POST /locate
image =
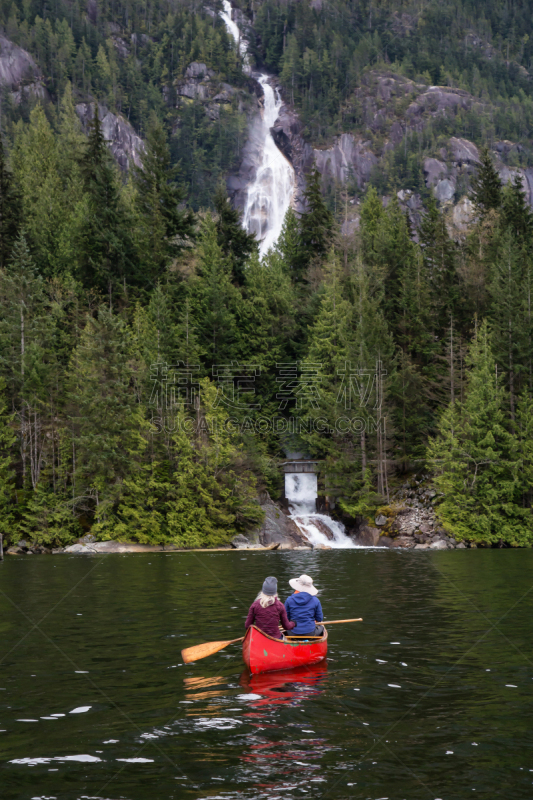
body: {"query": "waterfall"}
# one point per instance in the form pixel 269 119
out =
pixel 234 30
pixel 269 195
pixel 301 492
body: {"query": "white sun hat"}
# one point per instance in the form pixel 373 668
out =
pixel 303 584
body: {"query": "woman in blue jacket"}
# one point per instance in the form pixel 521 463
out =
pixel 303 607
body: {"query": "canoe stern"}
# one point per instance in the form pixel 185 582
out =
pixel 262 653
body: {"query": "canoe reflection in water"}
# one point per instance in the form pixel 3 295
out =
pixel 284 687
pixel 281 762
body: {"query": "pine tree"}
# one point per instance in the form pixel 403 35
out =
pixel 47 517
pixel 316 224
pixel 510 316
pixel 166 227
pixel 395 255
pixel 107 248
pixel 372 349
pixel 214 300
pixel 439 253
pixel 107 422
pixel 524 434
pixel 288 245
pixel 197 497
pixel 71 145
pixel 44 205
pixel 326 388
pixel 7 471
pixel 27 357
pixel 236 243
pixel 476 459
pixel 486 187
pixel 517 214
pixel 372 212
pixel 10 209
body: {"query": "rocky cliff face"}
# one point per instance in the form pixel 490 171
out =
pixel 277 528
pixel 251 152
pixel 19 72
pixel 392 108
pixel 288 135
pixel 125 145
pixel 201 84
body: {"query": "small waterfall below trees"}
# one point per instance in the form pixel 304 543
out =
pixel 301 492
pixel 269 195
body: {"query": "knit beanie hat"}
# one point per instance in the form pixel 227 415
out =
pixel 270 586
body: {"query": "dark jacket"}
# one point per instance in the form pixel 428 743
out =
pixel 268 618
pixel 304 609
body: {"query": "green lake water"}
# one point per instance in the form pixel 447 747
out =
pixel 430 697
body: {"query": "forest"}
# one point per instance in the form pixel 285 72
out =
pixel 148 357
pixel 154 371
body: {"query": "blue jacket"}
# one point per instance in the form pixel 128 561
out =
pixel 303 609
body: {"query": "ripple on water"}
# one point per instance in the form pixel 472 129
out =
pixel 31 762
pixel 276 735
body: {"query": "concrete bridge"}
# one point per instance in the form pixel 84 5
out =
pixel 299 466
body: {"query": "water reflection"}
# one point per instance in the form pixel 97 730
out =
pixel 424 694
pixel 280 761
pixel 285 687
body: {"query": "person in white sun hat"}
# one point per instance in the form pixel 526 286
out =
pixel 303 607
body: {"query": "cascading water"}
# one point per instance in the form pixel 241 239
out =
pixel 233 29
pixel 301 492
pixel 269 195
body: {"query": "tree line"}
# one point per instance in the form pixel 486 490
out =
pixel 153 368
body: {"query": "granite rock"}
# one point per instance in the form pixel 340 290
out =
pixel 434 171
pixel 367 536
pixel 16 65
pixel 439 544
pixel 125 145
pixel 276 527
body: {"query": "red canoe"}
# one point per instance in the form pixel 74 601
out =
pixel 263 653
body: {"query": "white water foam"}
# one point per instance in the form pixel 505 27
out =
pixel 269 195
pixel 301 492
pixel 233 30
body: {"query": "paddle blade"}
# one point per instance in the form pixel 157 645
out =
pixel 205 649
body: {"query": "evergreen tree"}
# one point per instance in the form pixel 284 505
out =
pixel 396 257
pixel 326 390
pixel 517 214
pixel 265 322
pixel 439 253
pixel 476 459
pixel 486 186
pixel 372 212
pixel 48 518
pixel 288 245
pixel 107 249
pixel 45 207
pixel 510 316
pixel 372 351
pixel 214 300
pixel 71 146
pixel 524 434
pixel 27 358
pixel 166 227
pixel 7 472
pixel 316 224
pixel 236 243
pixel 199 496
pixel 107 423
pixel 10 209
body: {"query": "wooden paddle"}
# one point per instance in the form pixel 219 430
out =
pixel 209 648
pixel 205 649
